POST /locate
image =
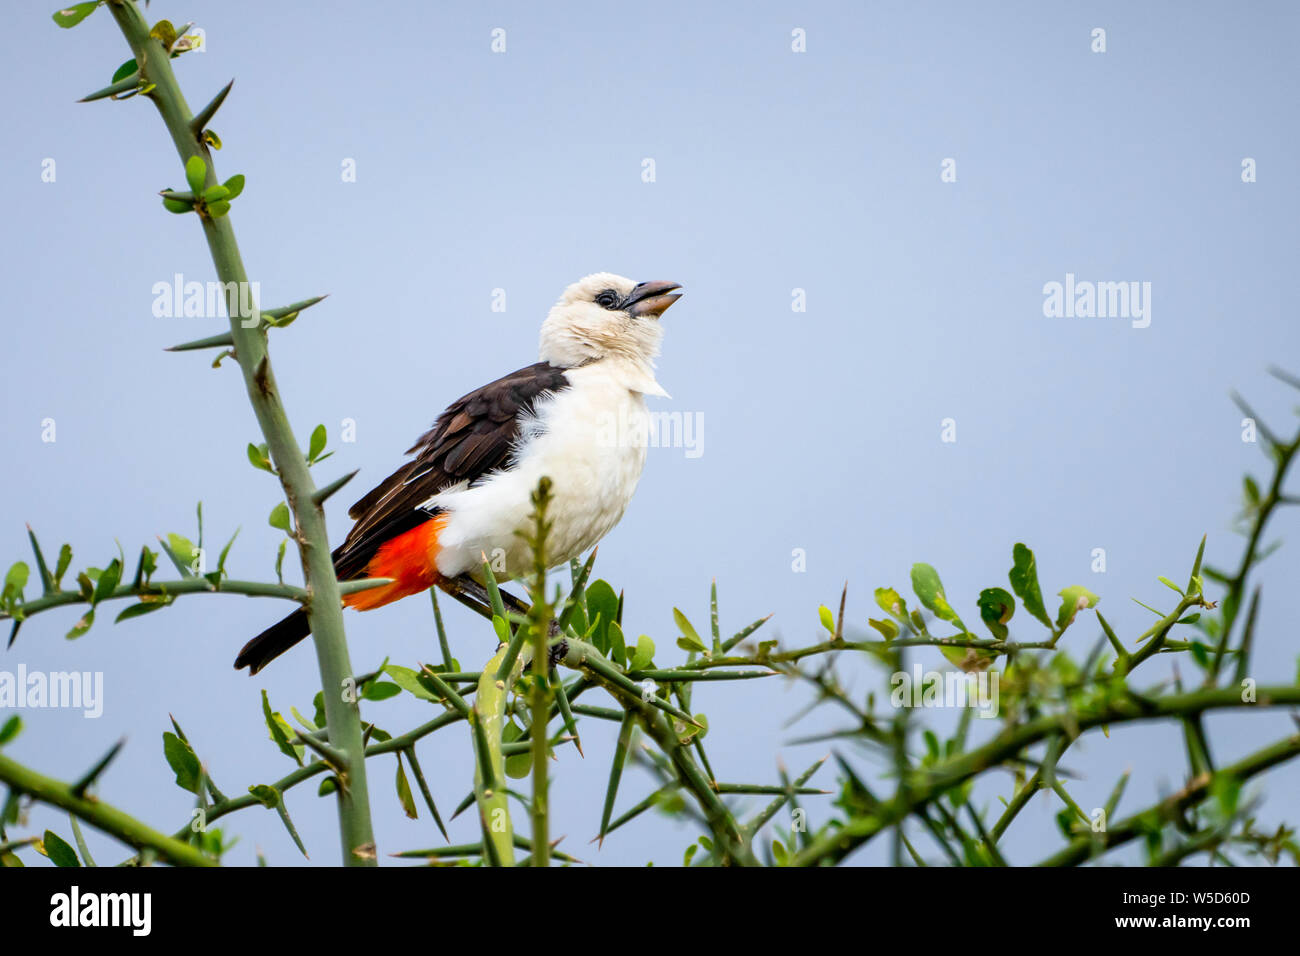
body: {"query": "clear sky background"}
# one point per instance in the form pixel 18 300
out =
pixel 775 171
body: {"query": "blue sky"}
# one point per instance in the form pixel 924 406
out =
pixel 774 171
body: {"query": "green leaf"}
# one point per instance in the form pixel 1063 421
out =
pixel 138 610
pixel 602 603
pixel 214 193
pixel 69 17
pixel 183 761
pixel 690 640
pixel 1251 488
pixel 83 625
pixel 280 517
pixel 125 70
pixel 317 445
pixel 381 690
pixel 644 655
pixel 235 185
pixel 280 731
pixel 887 628
pixel 218 208
pixel 10 730
pixel 404 796
pixel 1024 581
pixel 996 608
pixel 182 552
pixel 65 559
pixel 1072 600
pixel 928 587
pixel 1169 584
pixel 617 645
pixel 15 581
pixel 891 602
pixel 409 681
pixel 211 138
pixel 164 33
pixel 517 765
pixel 196 171
pixel 827 618
pixel 177 205
pixel 108 581
pixel 259 456
pixel 57 848
pixel 266 795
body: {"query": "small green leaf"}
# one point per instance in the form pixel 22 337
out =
pixel 1169 584
pixel 887 628
pixel 108 581
pixel 644 655
pixel 827 618
pixel 928 587
pixel 83 625
pixel 602 603
pixel 1073 599
pixel 177 206
pixel 183 761
pixel 196 171
pixel 280 731
pixel 266 795
pixel 891 602
pixel 164 33
pixel 996 608
pixel 137 610
pixel 211 138
pixel 10 730
pixel 15 581
pixel 69 17
pixel 517 765
pixel 404 796
pixel 280 517
pixel 617 645
pixel 260 457
pixel 235 185
pixel 65 559
pixel 318 438
pixel 218 209
pixel 58 849
pixel 1024 581
pixel 214 193
pixel 690 640
pixel 409 681
pixel 125 70
pixel 381 690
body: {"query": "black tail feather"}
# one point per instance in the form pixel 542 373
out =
pixel 273 642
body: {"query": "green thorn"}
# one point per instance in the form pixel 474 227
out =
pixel 121 86
pixel 223 341
pixel 79 788
pixel 204 116
pixel 321 495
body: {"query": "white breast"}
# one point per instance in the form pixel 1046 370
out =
pixel 590 440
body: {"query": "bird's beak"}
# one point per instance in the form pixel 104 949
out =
pixel 651 298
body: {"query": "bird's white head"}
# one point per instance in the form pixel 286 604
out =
pixel 606 316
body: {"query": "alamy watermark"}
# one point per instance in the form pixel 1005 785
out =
pixel 648 429
pixel 1098 300
pixel 63 689
pixel 946 689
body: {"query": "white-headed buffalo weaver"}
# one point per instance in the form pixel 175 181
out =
pixel 577 416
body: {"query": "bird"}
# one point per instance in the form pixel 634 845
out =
pixel 577 416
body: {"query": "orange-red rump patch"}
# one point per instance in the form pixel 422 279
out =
pixel 409 559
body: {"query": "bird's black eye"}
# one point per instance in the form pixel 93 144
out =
pixel 607 299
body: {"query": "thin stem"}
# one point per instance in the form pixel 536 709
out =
pixel 325 608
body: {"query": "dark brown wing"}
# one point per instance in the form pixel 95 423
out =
pixel 472 438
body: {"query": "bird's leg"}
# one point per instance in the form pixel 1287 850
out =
pixel 475 596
